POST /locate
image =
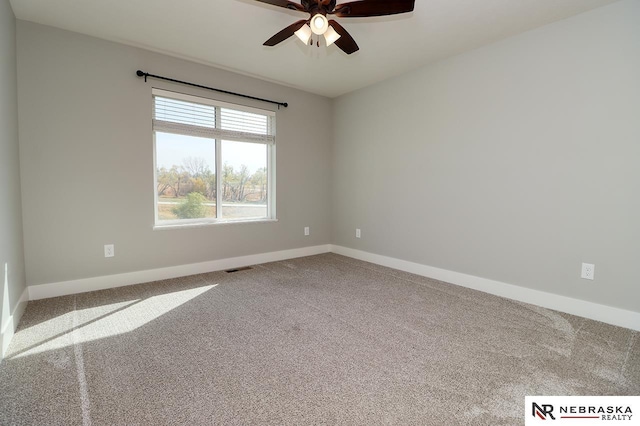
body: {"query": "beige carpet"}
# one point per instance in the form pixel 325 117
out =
pixel 317 340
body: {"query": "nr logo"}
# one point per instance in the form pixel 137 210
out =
pixel 542 411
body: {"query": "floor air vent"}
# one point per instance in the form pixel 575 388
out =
pixel 228 271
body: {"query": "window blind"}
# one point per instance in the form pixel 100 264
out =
pixel 211 121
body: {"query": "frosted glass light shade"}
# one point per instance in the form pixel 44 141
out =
pixel 304 33
pixel 331 36
pixel 319 24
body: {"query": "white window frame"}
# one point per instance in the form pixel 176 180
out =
pixel 271 164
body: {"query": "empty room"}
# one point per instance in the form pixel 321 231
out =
pixel 319 212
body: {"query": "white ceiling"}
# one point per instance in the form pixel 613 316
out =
pixel 229 34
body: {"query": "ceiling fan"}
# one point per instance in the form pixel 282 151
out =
pixel 332 31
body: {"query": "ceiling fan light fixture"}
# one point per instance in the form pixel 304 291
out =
pixel 304 33
pixel 319 24
pixel 331 36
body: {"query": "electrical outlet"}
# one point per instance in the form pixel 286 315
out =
pixel 358 233
pixel 109 250
pixel 588 271
pixel 306 231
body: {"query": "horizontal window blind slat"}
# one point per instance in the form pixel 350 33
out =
pixel 243 121
pixel 176 111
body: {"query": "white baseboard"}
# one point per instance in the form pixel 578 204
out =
pixel 11 323
pixel 45 291
pixel 607 314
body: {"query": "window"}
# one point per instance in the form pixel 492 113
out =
pixel 213 162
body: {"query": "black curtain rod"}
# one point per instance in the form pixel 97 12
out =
pixel 146 74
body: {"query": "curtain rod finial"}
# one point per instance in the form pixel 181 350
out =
pixel 140 73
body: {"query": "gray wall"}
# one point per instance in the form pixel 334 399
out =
pixel 11 252
pixel 86 159
pixel 514 162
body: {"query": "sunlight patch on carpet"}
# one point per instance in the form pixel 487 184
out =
pixel 105 321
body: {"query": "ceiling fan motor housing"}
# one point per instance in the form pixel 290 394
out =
pixel 318 6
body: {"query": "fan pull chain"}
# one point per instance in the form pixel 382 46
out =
pixel 317 41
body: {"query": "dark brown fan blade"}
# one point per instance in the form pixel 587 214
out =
pixel 364 8
pixel 285 34
pixel 345 42
pixel 284 3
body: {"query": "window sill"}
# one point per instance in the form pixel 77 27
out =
pixel 172 226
